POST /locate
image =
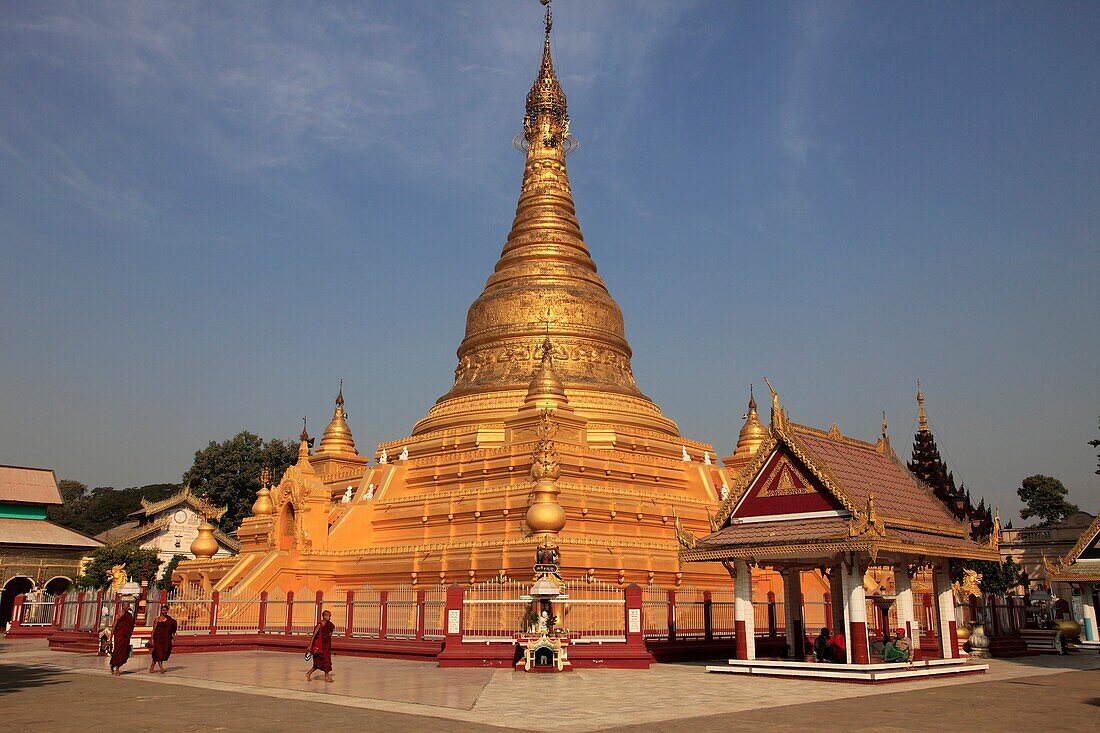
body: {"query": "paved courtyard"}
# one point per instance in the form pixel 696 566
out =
pixel 254 691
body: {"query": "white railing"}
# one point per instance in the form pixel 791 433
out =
pixel 38 609
pixel 689 613
pixel 594 611
pixel 435 610
pixel 366 615
pixel 401 613
pixel 192 608
pixel 493 610
pixel 654 612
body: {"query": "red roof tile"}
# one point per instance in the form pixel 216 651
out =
pixel 860 470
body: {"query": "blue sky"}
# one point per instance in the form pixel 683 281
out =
pixel 211 213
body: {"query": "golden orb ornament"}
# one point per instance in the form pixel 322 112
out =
pixel 546 516
pixel 205 546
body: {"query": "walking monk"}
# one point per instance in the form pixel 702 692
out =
pixel 164 628
pixel 320 647
pixel 124 628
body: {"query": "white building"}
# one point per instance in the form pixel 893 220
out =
pixel 169 526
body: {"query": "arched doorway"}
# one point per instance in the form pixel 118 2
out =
pixel 286 534
pixel 58 585
pixel 12 588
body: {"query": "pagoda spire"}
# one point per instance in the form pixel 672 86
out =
pixel 752 435
pixel 545 284
pixel 927 465
pixel 305 443
pixel 922 418
pixel 337 438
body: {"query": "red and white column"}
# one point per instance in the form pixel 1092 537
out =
pixel 855 613
pixel 945 611
pixel 744 619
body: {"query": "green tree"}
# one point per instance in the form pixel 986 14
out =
pixel 228 472
pixel 140 565
pixel 997 577
pixel 73 495
pixel 104 507
pixel 165 582
pixel 1044 497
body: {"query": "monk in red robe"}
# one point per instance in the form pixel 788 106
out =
pixel 164 628
pixel 320 647
pixel 123 630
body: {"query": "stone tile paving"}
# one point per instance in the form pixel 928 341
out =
pixel 599 699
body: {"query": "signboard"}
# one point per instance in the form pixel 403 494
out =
pixel 634 621
pixel 454 622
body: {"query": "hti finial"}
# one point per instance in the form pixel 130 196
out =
pixel 549 16
pixel 305 435
pixel 922 418
pixel 752 399
pixel 340 396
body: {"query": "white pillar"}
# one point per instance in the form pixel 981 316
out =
pixel 907 613
pixel 945 608
pixel 1088 612
pixel 792 611
pixel 743 616
pixel 855 613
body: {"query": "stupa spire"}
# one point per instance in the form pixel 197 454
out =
pixel 922 418
pixel 545 284
pixel 752 432
pixel 337 438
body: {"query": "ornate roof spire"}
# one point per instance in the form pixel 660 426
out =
pixel 779 417
pixel 752 432
pixel 922 419
pixel 337 438
pixel 546 122
pixel 304 441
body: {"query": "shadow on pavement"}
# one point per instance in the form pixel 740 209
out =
pixel 15 678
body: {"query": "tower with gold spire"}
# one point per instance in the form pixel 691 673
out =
pixel 545 284
pixel 336 452
pixel 753 434
pixel 927 465
pixel 543 439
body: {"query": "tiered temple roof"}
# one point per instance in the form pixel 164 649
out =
pixel 930 468
pixel 810 491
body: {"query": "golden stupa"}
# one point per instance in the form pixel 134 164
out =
pixel 544 433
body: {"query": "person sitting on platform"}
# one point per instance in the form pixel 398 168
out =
pixel 821 645
pixel 834 652
pixel 898 650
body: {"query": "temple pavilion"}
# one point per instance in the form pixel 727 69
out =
pixel 818 503
pixel 1080 570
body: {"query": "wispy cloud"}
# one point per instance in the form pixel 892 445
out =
pixel 816 26
pixel 259 93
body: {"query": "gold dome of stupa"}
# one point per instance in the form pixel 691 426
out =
pixel 337 438
pixel 545 285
